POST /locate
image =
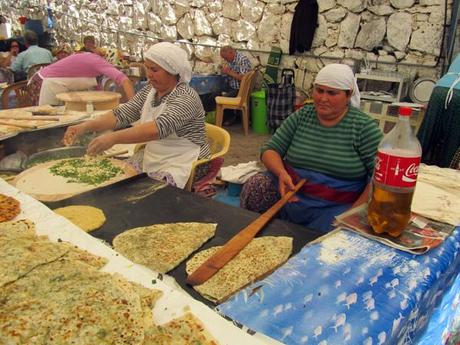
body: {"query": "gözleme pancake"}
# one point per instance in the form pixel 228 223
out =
pixel 54 294
pixel 162 247
pixel 9 208
pixel 186 329
pixel 261 256
pixel 88 218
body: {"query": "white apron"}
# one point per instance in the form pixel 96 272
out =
pixel 173 154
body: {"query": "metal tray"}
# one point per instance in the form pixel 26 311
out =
pixel 53 154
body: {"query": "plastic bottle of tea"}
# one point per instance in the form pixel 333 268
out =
pixel 394 179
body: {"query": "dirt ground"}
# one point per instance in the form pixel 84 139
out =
pixel 243 148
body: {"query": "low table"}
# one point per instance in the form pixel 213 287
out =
pixel 78 100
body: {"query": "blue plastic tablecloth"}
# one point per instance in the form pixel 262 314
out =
pixel 347 289
pixel 444 325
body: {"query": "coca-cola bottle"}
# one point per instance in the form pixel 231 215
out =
pixel 394 179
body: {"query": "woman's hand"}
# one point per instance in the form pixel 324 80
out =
pixel 72 133
pixel 100 144
pixel 285 185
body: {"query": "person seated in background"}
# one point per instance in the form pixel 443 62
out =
pixel 7 58
pixel 236 67
pixel 89 46
pixel 61 51
pixel 168 116
pixel 332 144
pixel 77 72
pixel 33 55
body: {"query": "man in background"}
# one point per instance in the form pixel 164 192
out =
pixel 31 56
pixel 236 67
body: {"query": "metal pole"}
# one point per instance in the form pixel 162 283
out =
pixel 452 33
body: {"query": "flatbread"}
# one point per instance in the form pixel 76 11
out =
pixel 77 254
pixel 88 218
pixel 18 228
pixel 162 247
pixel 260 257
pixel 187 329
pixel 9 208
pixel 20 252
pixel 69 302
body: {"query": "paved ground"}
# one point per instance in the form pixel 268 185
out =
pixel 243 148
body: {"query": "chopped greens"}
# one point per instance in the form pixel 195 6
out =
pixel 92 171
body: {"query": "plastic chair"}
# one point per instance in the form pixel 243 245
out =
pixel 34 68
pixel 21 95
pixel 219 142
pixel 240 102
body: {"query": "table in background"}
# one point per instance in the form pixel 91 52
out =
pixel 346 289
pixel 208 87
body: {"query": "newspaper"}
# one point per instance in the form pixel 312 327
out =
pixel 421 235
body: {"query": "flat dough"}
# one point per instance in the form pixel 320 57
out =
pixel 88 218
pixel 187 329
pixel 162 247
pixel 260 257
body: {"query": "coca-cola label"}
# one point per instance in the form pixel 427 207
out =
pixel 396 171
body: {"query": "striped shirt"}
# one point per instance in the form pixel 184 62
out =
pixel 240 65
pixel 345 151
pixel 183 115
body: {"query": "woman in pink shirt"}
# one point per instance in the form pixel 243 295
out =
pixel 76 72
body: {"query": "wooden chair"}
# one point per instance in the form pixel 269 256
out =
pixel 21 95
pixel 34 68
pixel 240 102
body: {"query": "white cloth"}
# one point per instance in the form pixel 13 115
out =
pixel 435 194
pixel 52 86
pixel 173 154
pixel 171 58
pixel 240 173
pixel 340 76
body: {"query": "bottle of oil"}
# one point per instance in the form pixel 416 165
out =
pixel 394 179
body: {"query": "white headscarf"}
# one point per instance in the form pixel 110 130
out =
pixel 171 58
pixel 339 76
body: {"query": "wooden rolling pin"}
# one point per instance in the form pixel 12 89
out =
pixel 32 118
pixel 114 154
pixel 20 125
pixel 228 251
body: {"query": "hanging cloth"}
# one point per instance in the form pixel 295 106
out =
pixel 303 26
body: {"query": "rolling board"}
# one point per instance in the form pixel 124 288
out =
pixel 141 201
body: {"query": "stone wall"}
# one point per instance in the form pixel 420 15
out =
pixel 390 35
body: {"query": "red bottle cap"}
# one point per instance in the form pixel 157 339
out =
pixel 405 111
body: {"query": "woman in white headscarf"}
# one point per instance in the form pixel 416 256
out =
pixel 331 143
pixel 167 114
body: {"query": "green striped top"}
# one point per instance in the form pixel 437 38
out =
pixel 345 151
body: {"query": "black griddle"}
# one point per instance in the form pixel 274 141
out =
pixel 141 201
